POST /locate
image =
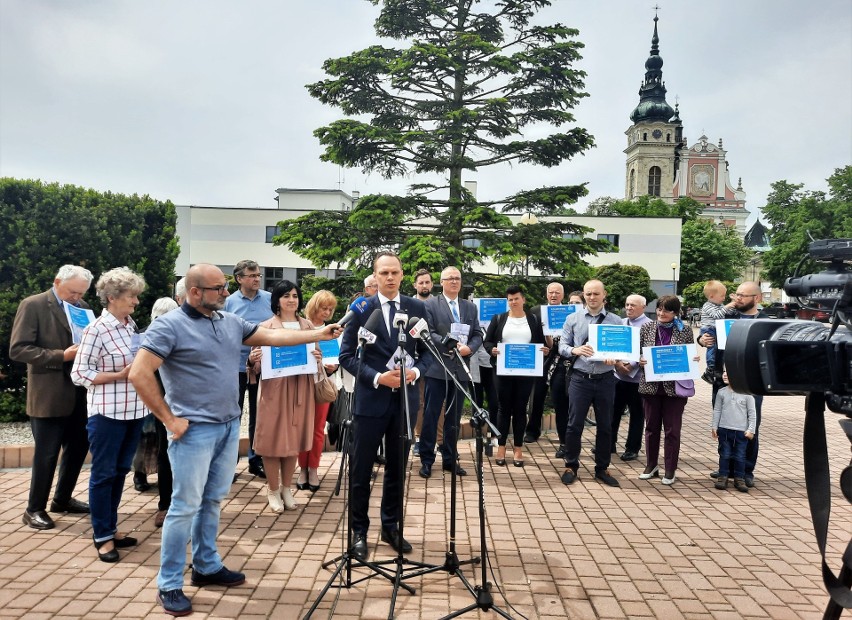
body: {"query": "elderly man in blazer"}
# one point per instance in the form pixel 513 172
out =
pixel 41 338
pixel 447 314
pixel 377 401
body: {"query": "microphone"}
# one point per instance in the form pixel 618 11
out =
pixel 417 327
pixel 400 319
pixel 356 307
pixel 372 326
pixel 448 341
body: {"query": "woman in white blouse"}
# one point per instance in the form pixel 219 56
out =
pixel 102 364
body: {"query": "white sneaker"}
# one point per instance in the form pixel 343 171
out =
pixel 287 498
pixel 275 503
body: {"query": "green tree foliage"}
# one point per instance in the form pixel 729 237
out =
pixel 474 84
pixel 693 295
pixel 708 253
pixel 623 280
pixel 797 216
pixel 44 226
pixel 645 206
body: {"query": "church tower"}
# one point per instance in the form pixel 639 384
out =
pixel 655 138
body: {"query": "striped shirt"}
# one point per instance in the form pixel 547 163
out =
pixel 108 345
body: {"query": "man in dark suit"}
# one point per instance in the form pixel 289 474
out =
pixel 41 338
pixel 447 314
pixel 377 401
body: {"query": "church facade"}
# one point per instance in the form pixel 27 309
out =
pixel 660 163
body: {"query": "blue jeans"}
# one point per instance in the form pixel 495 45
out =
pixel 710 358
pixel 113 446
pixel 203 465
pixel 732 449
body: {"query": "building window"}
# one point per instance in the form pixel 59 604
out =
pixel 301 272
pixel 654 175
pixel 272 276
pixel 471 243
pixel 271 231
pixel 613 239
pixel 631 192
pixel 571 236
pixel 645 137
pixel 668 137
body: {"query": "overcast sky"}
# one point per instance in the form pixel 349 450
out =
pixel 203 102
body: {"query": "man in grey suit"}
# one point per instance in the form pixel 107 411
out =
pixel 41 338
pixel 447 314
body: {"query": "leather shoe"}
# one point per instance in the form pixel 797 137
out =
pixel 358 550
pixel 426 471
pixel 38 520
pixel 124 542
pixel 560 451
pixel 381 460
pixel 569 476
pixel 603 476
pixel 530 439
pixel 73 506
pixel 396 541
pixel 629 455
pixel 460 471
pixel 256 469
pixel 110 556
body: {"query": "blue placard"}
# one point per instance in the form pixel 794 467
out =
pixel 614 338
pixel 520 356
pixel 556 315
pixel 670 359
pixel 329 348
pixel 492 306
pixel 286 357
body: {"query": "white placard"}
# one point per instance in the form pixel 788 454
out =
pixel 520 360
pixel 723 326
pixel 614 342
pixel 671 362
pixel 278 362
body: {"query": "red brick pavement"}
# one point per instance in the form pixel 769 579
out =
pixel 585 551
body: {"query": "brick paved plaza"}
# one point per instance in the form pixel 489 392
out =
pixel 585 551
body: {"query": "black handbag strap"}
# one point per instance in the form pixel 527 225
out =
pixel 818 485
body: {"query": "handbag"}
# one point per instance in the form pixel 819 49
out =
pixel 684 388
pixel 325 389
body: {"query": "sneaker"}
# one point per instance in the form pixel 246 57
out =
pixel 722 483
pixel 416 448
pixel 174 602
pixel 740 485
pixel 749 480
pixel 714 474
pixel 603 476
pixel 569 476
pixel 222 577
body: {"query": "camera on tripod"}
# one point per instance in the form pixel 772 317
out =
pixel 799 357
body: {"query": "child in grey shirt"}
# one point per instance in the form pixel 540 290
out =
pixel 734 421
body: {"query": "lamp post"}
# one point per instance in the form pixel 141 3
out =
pixel 674 279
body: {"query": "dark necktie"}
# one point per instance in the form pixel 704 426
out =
pixel 391 314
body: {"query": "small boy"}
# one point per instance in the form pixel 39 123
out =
pixel 714 292
pixel 734 421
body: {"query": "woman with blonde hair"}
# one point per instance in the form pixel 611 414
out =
pixel 107 349
pixel 319 310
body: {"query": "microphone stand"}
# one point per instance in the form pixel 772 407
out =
pixel 345 559
pixel 481 593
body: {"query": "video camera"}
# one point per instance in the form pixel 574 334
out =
pixel 798 357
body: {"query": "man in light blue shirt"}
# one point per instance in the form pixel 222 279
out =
pixel 254 305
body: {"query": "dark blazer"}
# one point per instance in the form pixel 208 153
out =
pixel 440 318
pixel 375 401
pixel 40 335
pixel 494 335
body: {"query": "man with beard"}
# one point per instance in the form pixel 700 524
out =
pixel 745 307
pixel 423 289
pixel 196 348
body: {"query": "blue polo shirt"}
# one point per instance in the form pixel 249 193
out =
pixel 255 310
pixel 199 354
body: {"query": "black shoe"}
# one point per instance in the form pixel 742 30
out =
pixel 749 480
pixel 358 550
pixel 589 422
pixel 395 540
pixel 313 488
pixel 569 476
pixel 629 455
pixel 381 460
pixel 302 486
pixel 140 482
pixel 110 556
pixel 460 471
pixel 426 471
pixel 73 506
pixel 125 542
pixel 256 468
pixel 560 451
pixel 709 376
pixel 714 474
pixel 530 439
pixel 174 602
pixel 489 449
pixel 222 577
pixel 603 476
pixel 38 520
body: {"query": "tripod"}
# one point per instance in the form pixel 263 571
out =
pixel 482 593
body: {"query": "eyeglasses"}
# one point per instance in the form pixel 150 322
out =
pixel 249 275
pixel 743 295
pixel 453 279
pixel 222 288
